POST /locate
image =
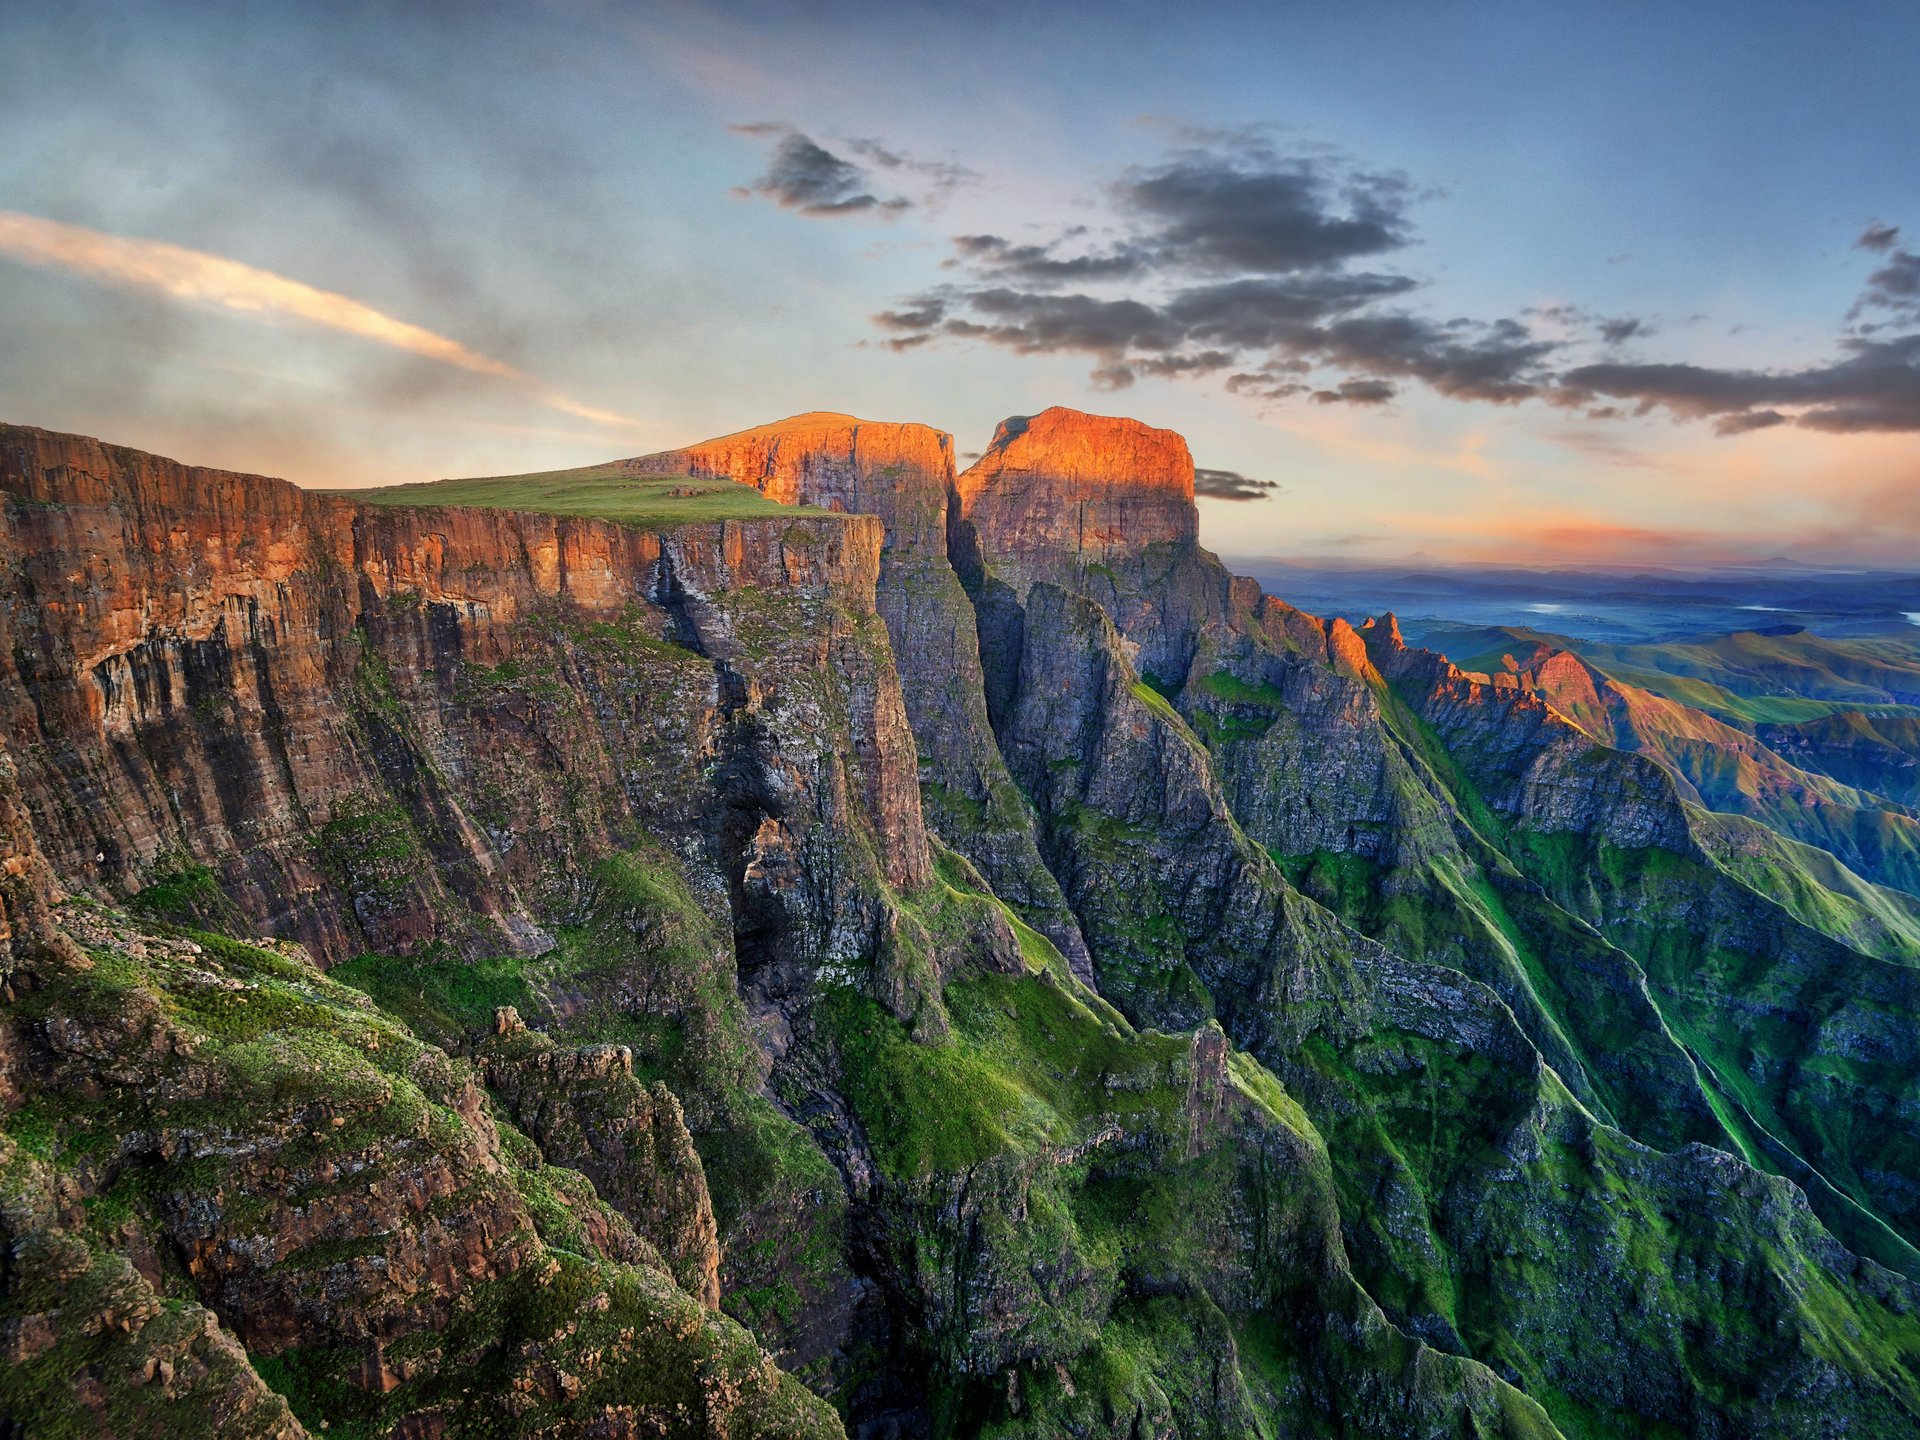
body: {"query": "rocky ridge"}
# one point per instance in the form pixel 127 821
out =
pixel 677 986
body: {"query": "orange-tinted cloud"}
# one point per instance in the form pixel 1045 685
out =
pixel 195 277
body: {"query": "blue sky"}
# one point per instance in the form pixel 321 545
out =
pixel 556 190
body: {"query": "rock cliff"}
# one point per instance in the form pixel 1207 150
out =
pixel 1036 982
pixel 903 474
pixel 377 726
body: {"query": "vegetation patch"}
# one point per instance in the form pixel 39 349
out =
pixel 595 492
pixel 369 846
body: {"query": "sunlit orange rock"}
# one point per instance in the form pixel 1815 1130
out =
pixel 1099 485
pixel 899 472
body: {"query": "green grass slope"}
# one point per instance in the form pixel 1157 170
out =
pixel 596 492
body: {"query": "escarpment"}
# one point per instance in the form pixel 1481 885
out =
pixel 381 726
pixel 942 946
pixel 1338 743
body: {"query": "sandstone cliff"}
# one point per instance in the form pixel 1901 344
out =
pixel 380 727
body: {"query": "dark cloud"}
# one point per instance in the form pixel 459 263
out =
pixel 1231 259
pixel 1501 361
pixel 1248 211
pixel 1608 329
pixel 1232 485
pixel 1270 384
pixel 921 314
pixel 1356 392
pixel 1042 264
pixel 1875 386
pixel 804 176
pixel 1278 312
pixel 1034 324
pixel 1747 420
pixel 1894 287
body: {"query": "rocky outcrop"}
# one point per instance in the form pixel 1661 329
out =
pixel 89 1344
pixel 1097 488
pixel 586 1110
pixel 1097 505
pixel 249 1134
pixel 1430 768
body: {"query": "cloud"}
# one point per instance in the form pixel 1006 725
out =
pixel 1247 209
pixel 194 277
pixel 1035 324
pixel 1042 264
pixel 942 176
pixel 1748 420
pixel 1276 312
pixel 1501 362
pixel 1232 485
pixel 1875 385
pixel 804 176
pixel 1894 287
pixel 1356 392
pixel 1230 257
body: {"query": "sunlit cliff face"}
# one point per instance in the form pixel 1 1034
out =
pixel 1098 484
pixel 901 472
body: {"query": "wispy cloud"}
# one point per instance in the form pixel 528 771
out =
pixel 194 277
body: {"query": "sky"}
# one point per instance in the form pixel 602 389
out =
pixel 1529 282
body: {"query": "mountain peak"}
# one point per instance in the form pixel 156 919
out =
pixel 1093 450
pixel 1101 486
